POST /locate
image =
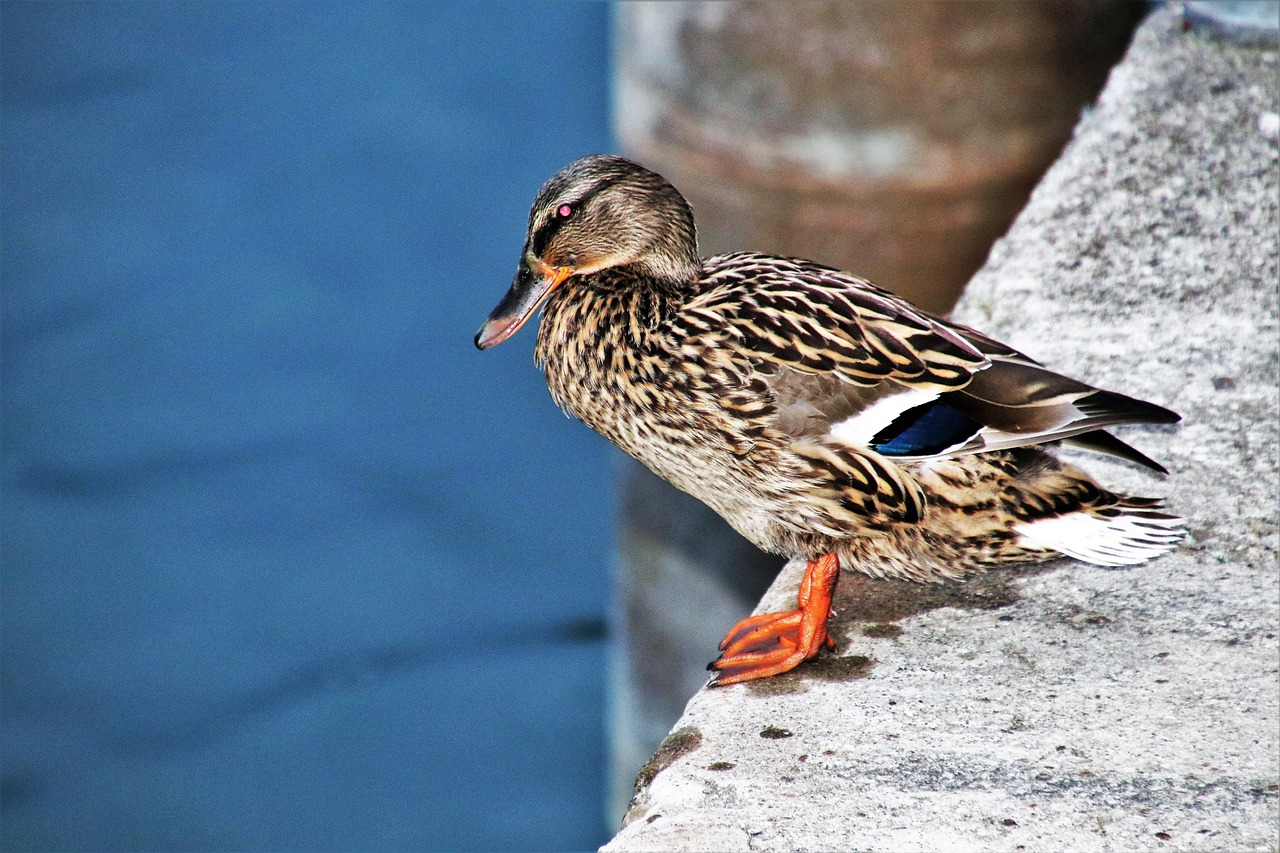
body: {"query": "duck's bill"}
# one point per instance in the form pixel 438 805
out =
pixel 527 292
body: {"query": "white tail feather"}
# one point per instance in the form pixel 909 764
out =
pixel 1133 536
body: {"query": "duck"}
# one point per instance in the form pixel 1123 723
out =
pixel 824 418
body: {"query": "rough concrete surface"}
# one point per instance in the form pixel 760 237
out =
pixel 1068 707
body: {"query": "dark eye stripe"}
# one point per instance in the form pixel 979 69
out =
pixel 542 237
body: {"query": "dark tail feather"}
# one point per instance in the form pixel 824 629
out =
pixel 1119 409
pixel 1101 441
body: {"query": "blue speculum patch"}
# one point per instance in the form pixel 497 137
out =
pixel 924 431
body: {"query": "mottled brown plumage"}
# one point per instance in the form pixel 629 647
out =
pixel 818 414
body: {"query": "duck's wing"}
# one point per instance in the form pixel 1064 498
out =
pixel 818 320
pixel 848 362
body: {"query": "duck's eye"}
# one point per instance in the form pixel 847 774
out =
pixel 564 211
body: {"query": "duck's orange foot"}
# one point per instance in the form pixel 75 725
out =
pixel 773 643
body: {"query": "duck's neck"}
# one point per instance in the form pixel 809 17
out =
pixel 609 308
pixel 665 279
pixel 597 331
pixel 671 271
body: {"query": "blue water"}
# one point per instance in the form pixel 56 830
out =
pixel 287 563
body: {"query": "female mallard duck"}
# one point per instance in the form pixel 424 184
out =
pixel 822 416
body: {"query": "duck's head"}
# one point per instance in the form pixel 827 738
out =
pixel 597 213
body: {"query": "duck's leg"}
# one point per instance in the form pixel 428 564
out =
pixel 773 643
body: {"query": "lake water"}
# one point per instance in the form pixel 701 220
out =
pixel 287 563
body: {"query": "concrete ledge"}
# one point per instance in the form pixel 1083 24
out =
pixel 1068 707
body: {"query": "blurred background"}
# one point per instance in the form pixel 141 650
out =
pixel 287 564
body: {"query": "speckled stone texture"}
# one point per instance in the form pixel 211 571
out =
pixel 1070 707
